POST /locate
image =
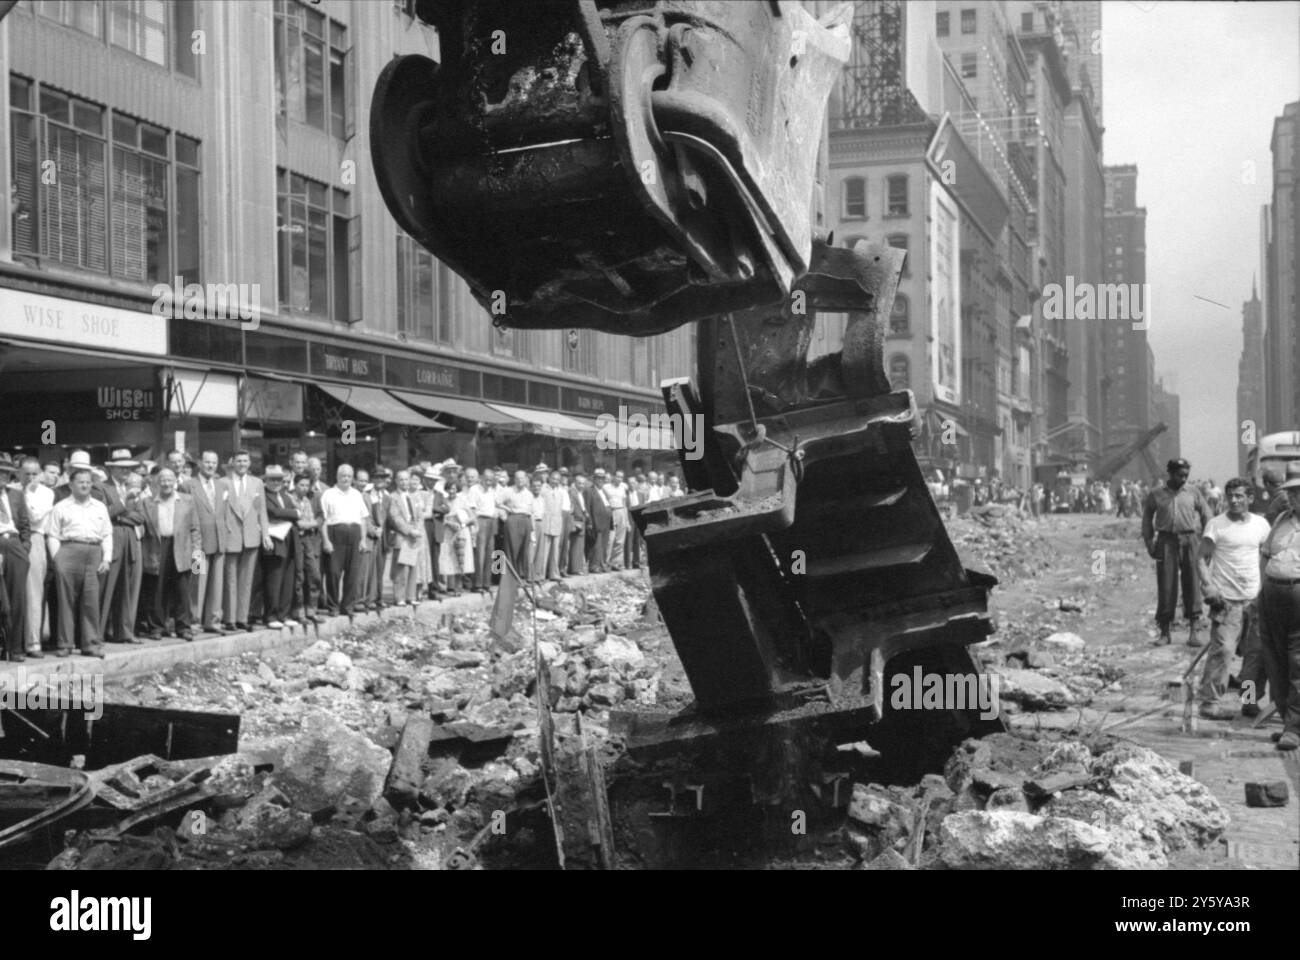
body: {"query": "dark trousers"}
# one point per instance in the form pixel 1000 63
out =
pixel 76 580
pixel 518 528
pixel 1279 608
pixel 1175 563
pixel 1252 657
pixel 484 537
pixel 376 562
pixel 17 560
pixel 435 544
pixel 170 596
pixel 345 564
pixel 566 525
pixel 598 551
pixel 277 584
pixel 577 563
pixel 119 592
pixel 306 572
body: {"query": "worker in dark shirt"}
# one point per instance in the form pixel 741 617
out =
pixel 1172 520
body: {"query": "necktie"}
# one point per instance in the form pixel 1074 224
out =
pixel 4 509
pixel 410 510
pixel 207 487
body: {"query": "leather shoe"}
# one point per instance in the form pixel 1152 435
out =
pixel 63 653
pixel 1194 636
pixel 1289 740
pixel 1250 710
pixel 227 628
pixel 36 654
pixel 243 626
pixel 96 652
pixel 187 635
pixel 135 640
pixel 17 657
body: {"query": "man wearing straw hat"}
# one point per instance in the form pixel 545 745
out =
pixel 120 591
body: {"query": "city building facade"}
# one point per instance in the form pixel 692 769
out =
pixel 220 151
pixel 1250 378
pixel 1127 380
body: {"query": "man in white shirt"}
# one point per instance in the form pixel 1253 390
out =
pixel 40 501
pixel 345 537
pixel 515 510
pixel 1229 569
pixel 481 496
pixel 80 538
pixel 616 494
pixel 552 528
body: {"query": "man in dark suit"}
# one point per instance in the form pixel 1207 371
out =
pixel 120 591
pixel 579 516
pixel 208 491
pixel 434 528
pixel 15 559
pixel 602 522
pixel 377 499
pixel 277 563
pixel 172 547
pixel 242 516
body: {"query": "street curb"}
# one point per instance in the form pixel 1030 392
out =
pixel 124 660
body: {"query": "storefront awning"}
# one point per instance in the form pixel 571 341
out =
pixel 473 410
pixel 379 405
pixel 201 393
pixel 550 423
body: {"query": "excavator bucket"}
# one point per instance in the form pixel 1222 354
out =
pixel 620 165
pixel 810 553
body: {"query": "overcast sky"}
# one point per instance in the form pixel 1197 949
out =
pixel 1190 93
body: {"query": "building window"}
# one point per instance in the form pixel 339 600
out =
pixel 319 250
pixel 417 288
pixel 968 21
pixel 141 27
pixel 312 68
pixel 941 23
pixel 896 200
pixel 579 350
pixel 140 243
pixel 124 200
pixel 84 15
pixel 147 28
pixel 968 65
pixel 855 198
pixel 900 375
pixel 900 318
pixel 1027 21
pixel 900 241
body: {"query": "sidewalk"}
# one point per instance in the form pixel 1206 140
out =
pixel 152 655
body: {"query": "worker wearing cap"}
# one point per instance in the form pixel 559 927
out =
pixel 1275 499
pixel 1279 608
pixel 1172 520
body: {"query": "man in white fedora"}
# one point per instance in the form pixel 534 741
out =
pixel 120 593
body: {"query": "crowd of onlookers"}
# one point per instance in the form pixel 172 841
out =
pixel 128 549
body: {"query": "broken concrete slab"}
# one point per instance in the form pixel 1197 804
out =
pixel 406 776
pixel 328 760
pixel 1015 840
pixel 1032 690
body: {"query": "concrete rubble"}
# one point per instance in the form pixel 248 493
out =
pixel 402 743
